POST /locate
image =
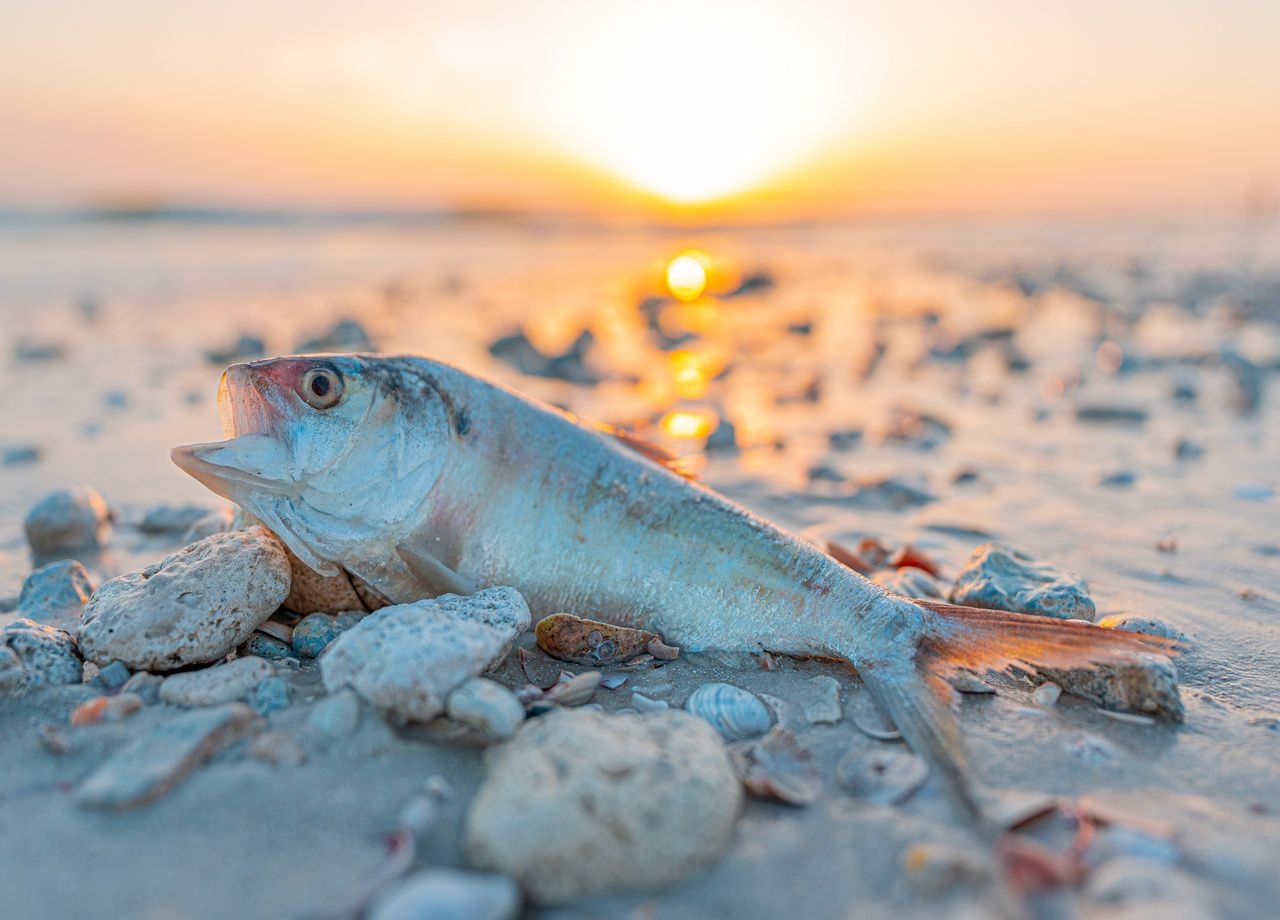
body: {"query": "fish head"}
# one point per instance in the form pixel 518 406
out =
pixel 332 452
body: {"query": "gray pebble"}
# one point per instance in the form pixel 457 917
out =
pixel 68 519
pixel 1001 578
pixel 271 695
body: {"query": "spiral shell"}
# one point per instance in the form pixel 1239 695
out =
pixel 732 711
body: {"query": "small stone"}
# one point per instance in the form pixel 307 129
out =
pixel 936 868
pixel 333 718
pixel 245 348
pixel 56 594
pixel 1121 479
pixel 313 634
pixel 156 762
pixel 222 683
pixel 278 749
pixel 171 518
pixel 487 706
pixel 13 675
pixel 405 659
pixel 69 519
pixel 20 455
pixel 267 647
pixel 192 607
pixel 1000 578
pixel 890 494
pixel 1114 413
pixel 47 655
pixel 1137 683
pixel 345 335
pixel 1046 694
pixel 112 676
pixel 449 894
pixel 271 695
pixel 146 685
pixel 1147 626
pixel 106 709
pixel 581 803
pixel 820 700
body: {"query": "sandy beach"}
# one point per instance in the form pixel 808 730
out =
pixel 1098 396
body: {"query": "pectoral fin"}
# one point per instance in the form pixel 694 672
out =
pixel 424 564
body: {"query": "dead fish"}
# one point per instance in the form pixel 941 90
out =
pixel 421 480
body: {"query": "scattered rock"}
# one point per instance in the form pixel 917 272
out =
pixel 172 518
pixel 487 706
pixel 724 440
pixel 245 348
pixel 820 700
pixel 346 335
pixel 46 655
pixel 37 350
pixel 145 685
pixel 1136 622
pixel 106 709
pixel 891 494
pixel 516 350
pixel 20 455
pixel 218 521
pixel 1186 449
pixel 936 868
pixel 591 642
pixel 1113 413
pixel 271 695
pixel 634 801
pixel 192 607
pixel 334 718
pixel 156 762
pixel 313 634
pixel 69 519
pixel 735 713
pixel 449 894
pixel 1000 578
pixel 1046 694
pixel 56 594
pixel 1121 479
pixel 1139 683
pixel 224 683
pixel 267 647
pixel 278 749
pixel 13 675
pixel 113 676
pixel 405 659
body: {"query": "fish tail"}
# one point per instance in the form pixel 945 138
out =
pixel 916 693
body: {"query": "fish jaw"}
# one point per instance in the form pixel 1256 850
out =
pixel 239 468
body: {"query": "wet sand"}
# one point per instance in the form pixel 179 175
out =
pixel 1010 337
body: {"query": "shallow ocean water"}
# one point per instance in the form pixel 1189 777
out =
pixel 954 358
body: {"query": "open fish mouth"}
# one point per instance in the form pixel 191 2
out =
pixel 251 462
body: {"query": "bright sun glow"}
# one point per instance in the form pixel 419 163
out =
pixel 693 102
pixel 687 275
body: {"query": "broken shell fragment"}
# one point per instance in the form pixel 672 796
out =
pixel 591 642
pixel 868 719
pixel 886 776
pixel 575 690
pixel 732 711
pixel 778 767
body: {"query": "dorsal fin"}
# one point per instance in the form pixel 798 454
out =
pixel 645 448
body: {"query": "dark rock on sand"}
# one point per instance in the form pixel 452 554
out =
pixel 1001 578
pixel 68 519
pixel 346 335
pixel 1145 684
pixel 172 518
pixel 39 655
pixel 517 351
pixel 245 348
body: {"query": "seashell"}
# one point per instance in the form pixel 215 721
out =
pixel 613 681
pixel 868 719
pixel 778 767
pixel 886 776
pixel 540 670
pixel 591 642
pixel 1046 694
pixel 644 704
pixel 732 711
pixel 661 651
pixel 575 691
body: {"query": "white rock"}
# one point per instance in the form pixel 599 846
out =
pixel 46 654
pixel 192 607
pixel 404 660
pixel 485 705
pixel 225 683
pixel 449 894
pixel 56 594
pixel 581 803
pixel 68 519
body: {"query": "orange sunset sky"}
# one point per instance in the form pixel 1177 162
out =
pixel 797 106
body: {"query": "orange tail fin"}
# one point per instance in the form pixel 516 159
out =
pixel 1111 667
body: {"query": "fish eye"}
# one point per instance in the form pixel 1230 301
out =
pixel 321 388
